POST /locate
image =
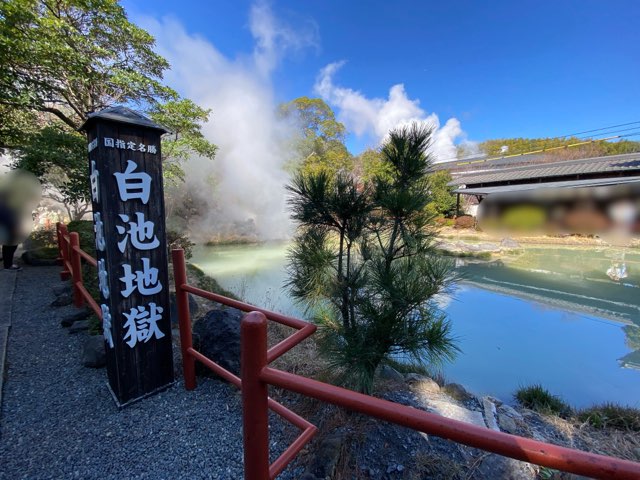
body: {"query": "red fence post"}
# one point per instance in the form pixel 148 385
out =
pixel 76 268
pixel 255 420
pixel 184 319
pixel 60 259
pixel 64 251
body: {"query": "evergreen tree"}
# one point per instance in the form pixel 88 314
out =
pixel 363 261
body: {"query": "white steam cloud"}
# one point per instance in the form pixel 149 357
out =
pixel 375 117
pixel 247 171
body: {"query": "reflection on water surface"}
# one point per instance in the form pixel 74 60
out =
pixel 552 316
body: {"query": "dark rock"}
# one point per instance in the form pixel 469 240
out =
pixel 490 413
pixel 62 288
pixel 193 307
pixel 422 384
pixel 69 320
pixel 217 336
pixel 505 409
pixel 496 466
pixel 80 326
pixel 63 300
pixel 327 456
pixel 507 424
pixel 93 352
pixel 458 392
pixel 34 261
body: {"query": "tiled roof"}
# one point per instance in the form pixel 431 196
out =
pixel 615 163
pixel 523 187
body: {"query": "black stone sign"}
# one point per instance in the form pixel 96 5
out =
pixel 125 169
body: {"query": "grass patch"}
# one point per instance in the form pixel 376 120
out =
pixel 84 228
pixel 205 282
pixel 538 398
pixel 610 415
pixel 434 466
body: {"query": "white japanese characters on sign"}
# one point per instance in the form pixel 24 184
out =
pixel 95 183
pixel 133 185
pixel 98 228
pixel 142 324
pixel 103 279
pixel 145 280
pixel 124 145
pixel 136 231
pixel 140 232
pixel 92 145
pixel 106 325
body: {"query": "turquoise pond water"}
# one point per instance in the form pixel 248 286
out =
pixel 547 315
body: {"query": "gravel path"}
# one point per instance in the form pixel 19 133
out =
pixel 59 421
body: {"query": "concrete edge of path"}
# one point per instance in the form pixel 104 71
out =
pixel 7 288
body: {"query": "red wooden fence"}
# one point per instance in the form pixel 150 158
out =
pixel 71 255
pixel 256 376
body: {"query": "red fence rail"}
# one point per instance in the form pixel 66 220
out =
pixel 190 355
pixel 256 376
pixel 70 255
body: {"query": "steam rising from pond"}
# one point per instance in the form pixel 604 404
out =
pixel 242 190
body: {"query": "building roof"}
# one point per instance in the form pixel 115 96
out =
pixel 594 182
pixel 122 115
pixel 615 163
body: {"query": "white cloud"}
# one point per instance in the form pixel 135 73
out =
pixel 274 38
pixel 249 180
pixel 374 117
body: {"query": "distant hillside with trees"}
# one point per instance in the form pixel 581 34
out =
pixel 524 145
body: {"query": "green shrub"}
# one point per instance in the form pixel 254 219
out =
pixel 536 397
pixel 610 415
pixel 86 234
pixel 42 238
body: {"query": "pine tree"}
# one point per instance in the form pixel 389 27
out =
pixel 364 264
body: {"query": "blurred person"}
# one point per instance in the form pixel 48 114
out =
pixel 19 193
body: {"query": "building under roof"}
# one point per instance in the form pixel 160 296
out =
pixel 583 196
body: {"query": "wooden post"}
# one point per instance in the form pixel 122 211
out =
pixel 76 268
pixel 63 251
pixel 184 319
pixel 255 407
pixel 125 168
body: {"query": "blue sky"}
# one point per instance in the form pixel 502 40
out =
pixel 501 68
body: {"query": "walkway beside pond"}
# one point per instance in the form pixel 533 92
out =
pixel 58 419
